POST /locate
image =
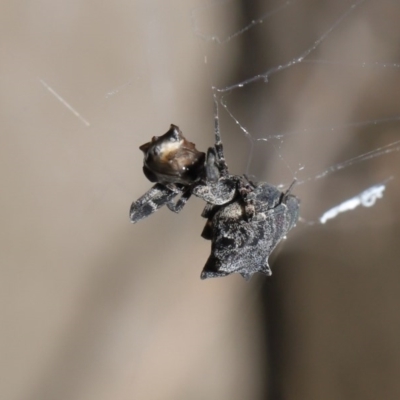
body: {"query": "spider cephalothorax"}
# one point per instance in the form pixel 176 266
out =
pixel 245 220
pixel 179 168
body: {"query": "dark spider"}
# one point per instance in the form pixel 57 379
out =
pixel 245 220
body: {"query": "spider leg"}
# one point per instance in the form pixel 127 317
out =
pixel 151 201
pixel 292 203
pixel 212 171
pixel 219 149
pixel 287 193
pixel 177 207
pixel 247 195
pixel 252 183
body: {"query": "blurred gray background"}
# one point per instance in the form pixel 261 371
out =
pixel 93 307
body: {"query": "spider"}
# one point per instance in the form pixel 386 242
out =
pixel 245 220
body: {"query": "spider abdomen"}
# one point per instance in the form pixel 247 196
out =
pixel 241 246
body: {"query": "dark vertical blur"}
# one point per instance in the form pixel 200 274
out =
pixel 330 310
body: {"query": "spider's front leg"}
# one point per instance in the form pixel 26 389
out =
pixel 212 168
pixel 177 207
pixel 158 196
pixel 216 187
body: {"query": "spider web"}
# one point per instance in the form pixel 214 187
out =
pixel 307 90
pixel 314 96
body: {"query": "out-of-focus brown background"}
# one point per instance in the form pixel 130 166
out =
pixel 93 307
